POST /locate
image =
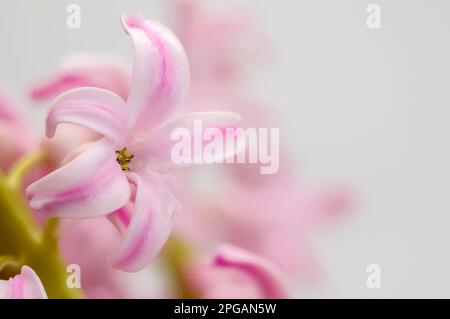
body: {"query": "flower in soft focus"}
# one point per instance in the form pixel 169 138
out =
pixel 272 216
pixel 85 69
pixel 275 220
pixel 237 273
pixel 15 140
pixel 132 158
pixel 98 278
pixel 281 218
pixel 220 44
pixel 26 285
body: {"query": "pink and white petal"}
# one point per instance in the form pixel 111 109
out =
pixel 150 226
pixel 222 127
pixel 26 285
pixel 60 83
pixel 33 288
pixel 90 185
pixel 160 79
pixel 85 69
pixel 100 110
pixel 267 275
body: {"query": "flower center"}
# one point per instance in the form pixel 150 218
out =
pixel 124 158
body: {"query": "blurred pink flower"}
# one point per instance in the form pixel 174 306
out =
pixel 270 215
pixel 133 155
pixel 99 279
pixel 85 70
pixel 220 44
pixel 237 273
pixel 26 285
pixel 275 220
pixel 15 138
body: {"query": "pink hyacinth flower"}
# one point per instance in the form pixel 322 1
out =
pixel 220 44
pixel 276 220
pixel 85 69
pixel 96 182
pixel 237 273
pixel 26 285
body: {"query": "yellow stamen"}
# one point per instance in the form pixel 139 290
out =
pixel 124 158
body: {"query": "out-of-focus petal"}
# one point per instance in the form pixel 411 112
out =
pixel 98 278
pixel 7 112
pixel 265 273
pixel 160 79
pixel 26 285
pixel 15 137
pixel 221 45
pixel 85 69
pixel 90 185
pixel 324 206
pixel 150 226
pixel 199 129
pixel 94 108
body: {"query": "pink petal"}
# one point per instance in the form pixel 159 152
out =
pixel 264 272
pixel 221 45
pixel 94 108
pixel 151 224
pixel 160 78
pixel 70 137
pixel 85 69
pixel 26 285
pixel 90 185
pixel 157 147
pixel 98 278
pixel 7 112
pixel 15 137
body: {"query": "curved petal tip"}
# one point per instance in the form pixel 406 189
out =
pixel 270 279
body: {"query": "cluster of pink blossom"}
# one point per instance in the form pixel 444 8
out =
pixel 102 192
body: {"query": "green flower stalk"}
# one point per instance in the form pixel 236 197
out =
pixel 23 242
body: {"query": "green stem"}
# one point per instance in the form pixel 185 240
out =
pixel 18 231
pixel 21 237
pixel 23 166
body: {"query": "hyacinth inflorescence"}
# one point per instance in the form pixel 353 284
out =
pixel 108 176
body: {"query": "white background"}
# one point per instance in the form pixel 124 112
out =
pixel 370 107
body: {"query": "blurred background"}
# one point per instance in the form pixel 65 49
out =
pixel 369 107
